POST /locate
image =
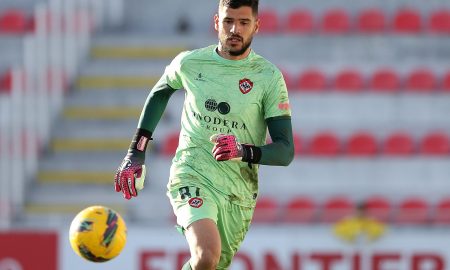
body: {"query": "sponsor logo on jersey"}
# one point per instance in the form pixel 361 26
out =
pixel 284 106
pixel 218 124
pixel 245 85
pixel 196 202
pixel 223 107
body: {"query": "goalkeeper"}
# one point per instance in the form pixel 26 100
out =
pixel 232 97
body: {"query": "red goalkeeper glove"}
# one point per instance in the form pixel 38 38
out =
pixel 226 147
pixel 130 175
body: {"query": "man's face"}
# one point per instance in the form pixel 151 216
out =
pixel 235 28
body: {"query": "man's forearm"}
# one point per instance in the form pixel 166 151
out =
pixel 281 151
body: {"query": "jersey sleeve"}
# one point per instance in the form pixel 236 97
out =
pixel 172 73
pixel 276 100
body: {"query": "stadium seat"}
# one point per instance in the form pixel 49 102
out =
pixel 412 211
pixel 398 144
pixel 298 144
pixel 361 144
pixel 170 144
pixel 446 82
pixel 335 21
pixel 379 208
pixel 300 21
pixel 385 80
pixel 266 210
pixel 324 144
pixel 13 21
pixel 312 80
pixel 371 21
pixel 349 81
pixel 435 144
pixel 5 82
pixel 336 208
pixel 441 215
pixel 407 21
pixel 299 210
pixel 269 22
pixel 421 80
pixel 288 80
pixel 440 22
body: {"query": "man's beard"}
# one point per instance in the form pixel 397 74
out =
pixel 239 52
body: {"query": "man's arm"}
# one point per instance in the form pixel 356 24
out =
pixel 278 153
pixel 130 175
pixel 281 151
pixel 155 105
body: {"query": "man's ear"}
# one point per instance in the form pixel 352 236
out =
pixel 216 22
pixel 257 26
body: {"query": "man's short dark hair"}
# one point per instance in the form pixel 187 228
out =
pixel 240 3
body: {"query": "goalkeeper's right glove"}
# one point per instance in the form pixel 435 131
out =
pixel 130 175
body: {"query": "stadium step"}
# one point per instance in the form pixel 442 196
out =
pixel 135 52
pixel 76 177
pixel 105 113
pixel 89 144
pixel 106 82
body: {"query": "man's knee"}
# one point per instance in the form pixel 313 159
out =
pixel 205 260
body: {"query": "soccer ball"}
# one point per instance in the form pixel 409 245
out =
pixel 98 234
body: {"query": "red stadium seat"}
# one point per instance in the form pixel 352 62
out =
pixel 335 21
pixel 312 80
pixel 300 21
pixel 379 208
pixel 288 80
pixel 170 144
pixel 435 144
pixel 349 81
pixel 266 210
pixel 300 210
pixel 412 211
pixel 398 144
pixel 407 21
pixel 13 21
pixel 298 144
pixel 441 215
pixel 325 144
pixel 385 80
pixel 5 82
pixel 440 22
pixel 421 80
pixel 446 82
pixel 269 23
pixel 361 144
pixel 372 21
pixel 336 208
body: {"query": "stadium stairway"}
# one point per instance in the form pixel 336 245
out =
pixel 100 116
pixel 94 130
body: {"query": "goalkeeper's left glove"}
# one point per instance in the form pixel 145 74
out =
pixel 226 147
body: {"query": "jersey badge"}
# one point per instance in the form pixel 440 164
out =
pixel 196 202
pixel 245 85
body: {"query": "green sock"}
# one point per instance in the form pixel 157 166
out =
pixel 186 266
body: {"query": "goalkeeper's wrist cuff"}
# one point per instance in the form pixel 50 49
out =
pixel 141 140
pixel 251 153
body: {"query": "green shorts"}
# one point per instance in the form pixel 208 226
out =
pixel 193 202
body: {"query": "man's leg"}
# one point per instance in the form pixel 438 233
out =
pixel 204 244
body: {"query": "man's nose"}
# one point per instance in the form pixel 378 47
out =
pixel 235 29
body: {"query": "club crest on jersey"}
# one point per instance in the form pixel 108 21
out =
pixel 196 202
pixel 245 85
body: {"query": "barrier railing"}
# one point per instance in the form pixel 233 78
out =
pixel 52 55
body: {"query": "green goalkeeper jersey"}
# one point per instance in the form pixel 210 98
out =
pixel 228 97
